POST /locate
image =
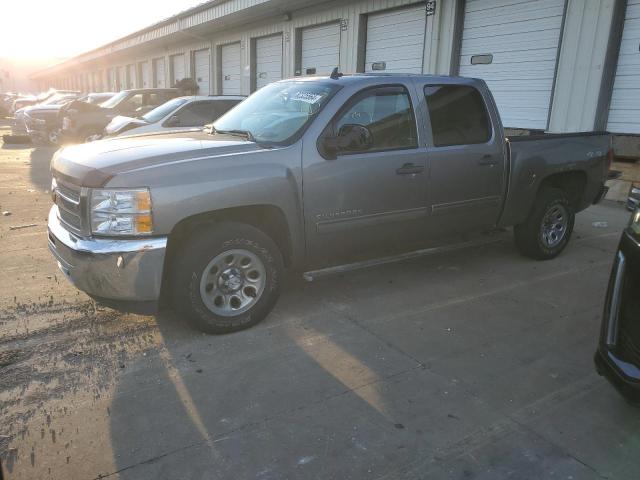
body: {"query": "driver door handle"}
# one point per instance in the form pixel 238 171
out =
pixel 409 169
pixel 488 160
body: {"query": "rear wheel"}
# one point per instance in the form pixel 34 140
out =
pixel 546 232
pixel 226 277
pixel 53 137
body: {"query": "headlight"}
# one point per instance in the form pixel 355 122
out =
pixel 121 212
pixel 634 224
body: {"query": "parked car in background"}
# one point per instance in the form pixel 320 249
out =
pixel 83 122
pixel 618 354
pixel 53 103
pixel 44 123
pixel 26 101
pixel 181 113
pixel 388 163
pixel 6 102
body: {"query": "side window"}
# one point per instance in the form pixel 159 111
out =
pixel 458 115
pixel 387 113
pixel 195 114
pixel 133 102
pixel 223 106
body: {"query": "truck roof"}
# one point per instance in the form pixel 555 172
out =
pixel 356 77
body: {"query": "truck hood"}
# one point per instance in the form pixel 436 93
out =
pixel 95 163
pixel 120 123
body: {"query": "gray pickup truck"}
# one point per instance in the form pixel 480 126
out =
pixel 304 174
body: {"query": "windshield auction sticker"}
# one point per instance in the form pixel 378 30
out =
pixel 307 97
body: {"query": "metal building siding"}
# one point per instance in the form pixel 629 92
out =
pixel 230 69
pixel 159 73
pixel 624 110
pixel 320 49
pixel 177 68
pixel 523 38
pixel 268 60
pixel 202 70
pixel 395 40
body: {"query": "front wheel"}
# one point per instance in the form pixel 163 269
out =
pixel 226 277
pixel 546 232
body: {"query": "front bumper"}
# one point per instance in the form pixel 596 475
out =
pixel 616 357
pixel 112 269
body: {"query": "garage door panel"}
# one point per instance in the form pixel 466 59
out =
pixel 523 38
pixel 230 72
pixel 202 70
pixel 502 8
pixel 268 60
pixel 395 38
pixel 321 48
pixel 624 109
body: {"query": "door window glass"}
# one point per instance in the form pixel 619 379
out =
pixel 195 114
pixel 387 113
pixel 458 115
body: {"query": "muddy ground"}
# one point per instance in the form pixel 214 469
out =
pixel 473 365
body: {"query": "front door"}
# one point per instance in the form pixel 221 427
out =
pixel 466 157
pixel 372 198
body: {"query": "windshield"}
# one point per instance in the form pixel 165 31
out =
pixel 163 110
pixel 115 100
pixel 277 112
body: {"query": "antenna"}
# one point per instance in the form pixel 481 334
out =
pixel 335 75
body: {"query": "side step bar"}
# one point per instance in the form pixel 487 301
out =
pixel 349 267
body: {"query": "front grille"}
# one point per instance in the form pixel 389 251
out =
pixel 68 200
pixel 628 342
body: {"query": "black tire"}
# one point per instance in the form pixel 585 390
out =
pixel 529 236
pixel 205 245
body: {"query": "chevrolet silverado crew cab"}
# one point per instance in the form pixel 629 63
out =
pixel 307 173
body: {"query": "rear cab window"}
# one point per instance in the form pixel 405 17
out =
pixel 458 115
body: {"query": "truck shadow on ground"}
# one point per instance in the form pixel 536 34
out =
pixel 392 371
pixel 40 173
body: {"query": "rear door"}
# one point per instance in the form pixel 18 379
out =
pixel 373 199
pixel 466 156
pixel 230 69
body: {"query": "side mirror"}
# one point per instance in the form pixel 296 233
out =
pixel 173 121
pixel 350 138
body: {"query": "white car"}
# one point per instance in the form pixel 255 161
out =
pixel 181 113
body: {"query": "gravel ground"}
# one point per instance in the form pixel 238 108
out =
pixel 472 365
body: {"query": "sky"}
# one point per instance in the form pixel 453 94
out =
pixel 51 30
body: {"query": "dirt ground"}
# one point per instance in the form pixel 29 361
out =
pixel 473 365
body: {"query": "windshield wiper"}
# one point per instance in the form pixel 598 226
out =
pixel 239 133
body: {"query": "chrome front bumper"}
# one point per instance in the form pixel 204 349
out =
pixel 123 270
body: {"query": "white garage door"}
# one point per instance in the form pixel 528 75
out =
pixel 395 40
pixel 159 74
pixel 144 75
pixel 268 60
pixel 320 49
pixel 624 111
pixel 131 76
pixel 201 70
pixel 520 40
pixel 230 72
pixel 177 68
pixel 122 78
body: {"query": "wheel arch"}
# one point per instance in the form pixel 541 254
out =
pixel 269 219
